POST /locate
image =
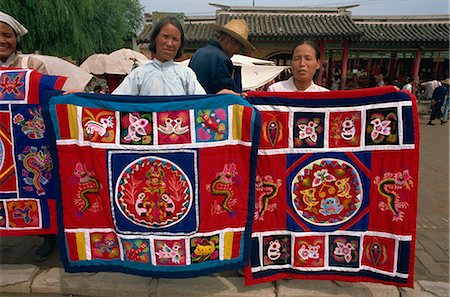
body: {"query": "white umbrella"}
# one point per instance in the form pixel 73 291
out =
pixel 240 59
pixel 255 76
pixel 118 62
pixel 130 55
pixel 77 78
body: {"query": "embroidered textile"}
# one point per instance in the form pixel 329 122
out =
pixel 155 185
pixel 336 187
pixel 27 173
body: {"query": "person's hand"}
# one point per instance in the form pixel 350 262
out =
pixel 72 91
pixel 227 91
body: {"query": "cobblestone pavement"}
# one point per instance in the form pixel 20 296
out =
pixel 19 274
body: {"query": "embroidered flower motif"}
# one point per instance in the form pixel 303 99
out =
pixel 401 178
pixel 18 119
pixel 308 130
pixel 344 250
pixel 321 176
pixel 380 127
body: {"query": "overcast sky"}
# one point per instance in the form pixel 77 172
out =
pixel 367 7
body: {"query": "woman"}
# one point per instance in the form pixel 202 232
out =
pixel 11 31
pixel 162 76
pixel 305 62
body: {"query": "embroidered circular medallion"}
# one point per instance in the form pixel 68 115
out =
pixel 327 192
pixel 2 154
pixel 153 192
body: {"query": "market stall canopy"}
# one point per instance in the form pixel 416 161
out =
pixel 255 72
pixel 119 62
pixel 77 78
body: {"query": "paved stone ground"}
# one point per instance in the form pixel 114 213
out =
pixel 20 275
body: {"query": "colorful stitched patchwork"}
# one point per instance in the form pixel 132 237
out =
pixel 104 245
pixel 13 85
pixel 378 252
pixel 98 125
pixel 174 127
pixel 211 124
pixel 170 252
pixel 274 130
pixel 204 248
pixel 136 250
pixel 136 128
pixel 174 204
pixel 276 250
pixel 382 126
pixel 309 251
pixel 346 188
pixel 345 129
pixel 308 129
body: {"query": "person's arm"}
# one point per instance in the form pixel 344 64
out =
pixel 224 79
pixel 129 86
pixel 193 86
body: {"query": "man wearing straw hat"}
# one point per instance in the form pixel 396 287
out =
pixel 212 63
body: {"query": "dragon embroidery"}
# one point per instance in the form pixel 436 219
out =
pixel 88 185
pixel 388 187
pixel 222 185
pixel 267 189
pixel 38 163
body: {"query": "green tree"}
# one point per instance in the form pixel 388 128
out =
pixel 76 28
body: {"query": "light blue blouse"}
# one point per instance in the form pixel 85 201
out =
pixel 160 79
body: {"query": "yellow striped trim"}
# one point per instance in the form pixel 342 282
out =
pixel 6 171
pixel 73 121
pixel 238 111
pixel 81 245
pixel 228 245
pixel 5 137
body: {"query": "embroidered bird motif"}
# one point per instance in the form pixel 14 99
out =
pixel 308 198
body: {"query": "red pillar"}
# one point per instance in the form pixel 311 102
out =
pixel 436 69
pixel 416 65
pixel 369 68
pixel 322 52
pixel 344 65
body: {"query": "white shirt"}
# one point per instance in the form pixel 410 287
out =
pixel 430 86
pixel 407 87
pixel 289 86
pixel 160 79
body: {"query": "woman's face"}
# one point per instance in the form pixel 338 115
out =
pixel 168 43
pixel 304 63
pixel 8 41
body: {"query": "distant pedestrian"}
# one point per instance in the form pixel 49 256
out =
pixel 438 98
pixel 429 87
pixel 335 82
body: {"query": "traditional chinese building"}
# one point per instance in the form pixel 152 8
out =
pixel 395 46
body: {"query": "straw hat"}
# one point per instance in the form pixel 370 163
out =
pixel 237 29
pixel 446 81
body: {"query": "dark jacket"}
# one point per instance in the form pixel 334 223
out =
pixel 214 69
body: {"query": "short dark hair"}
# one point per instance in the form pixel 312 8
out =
pixel 311 44
pixel 155 31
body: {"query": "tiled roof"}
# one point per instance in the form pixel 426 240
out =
pixel 275 25
pixel 404 30
pixel 194 31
